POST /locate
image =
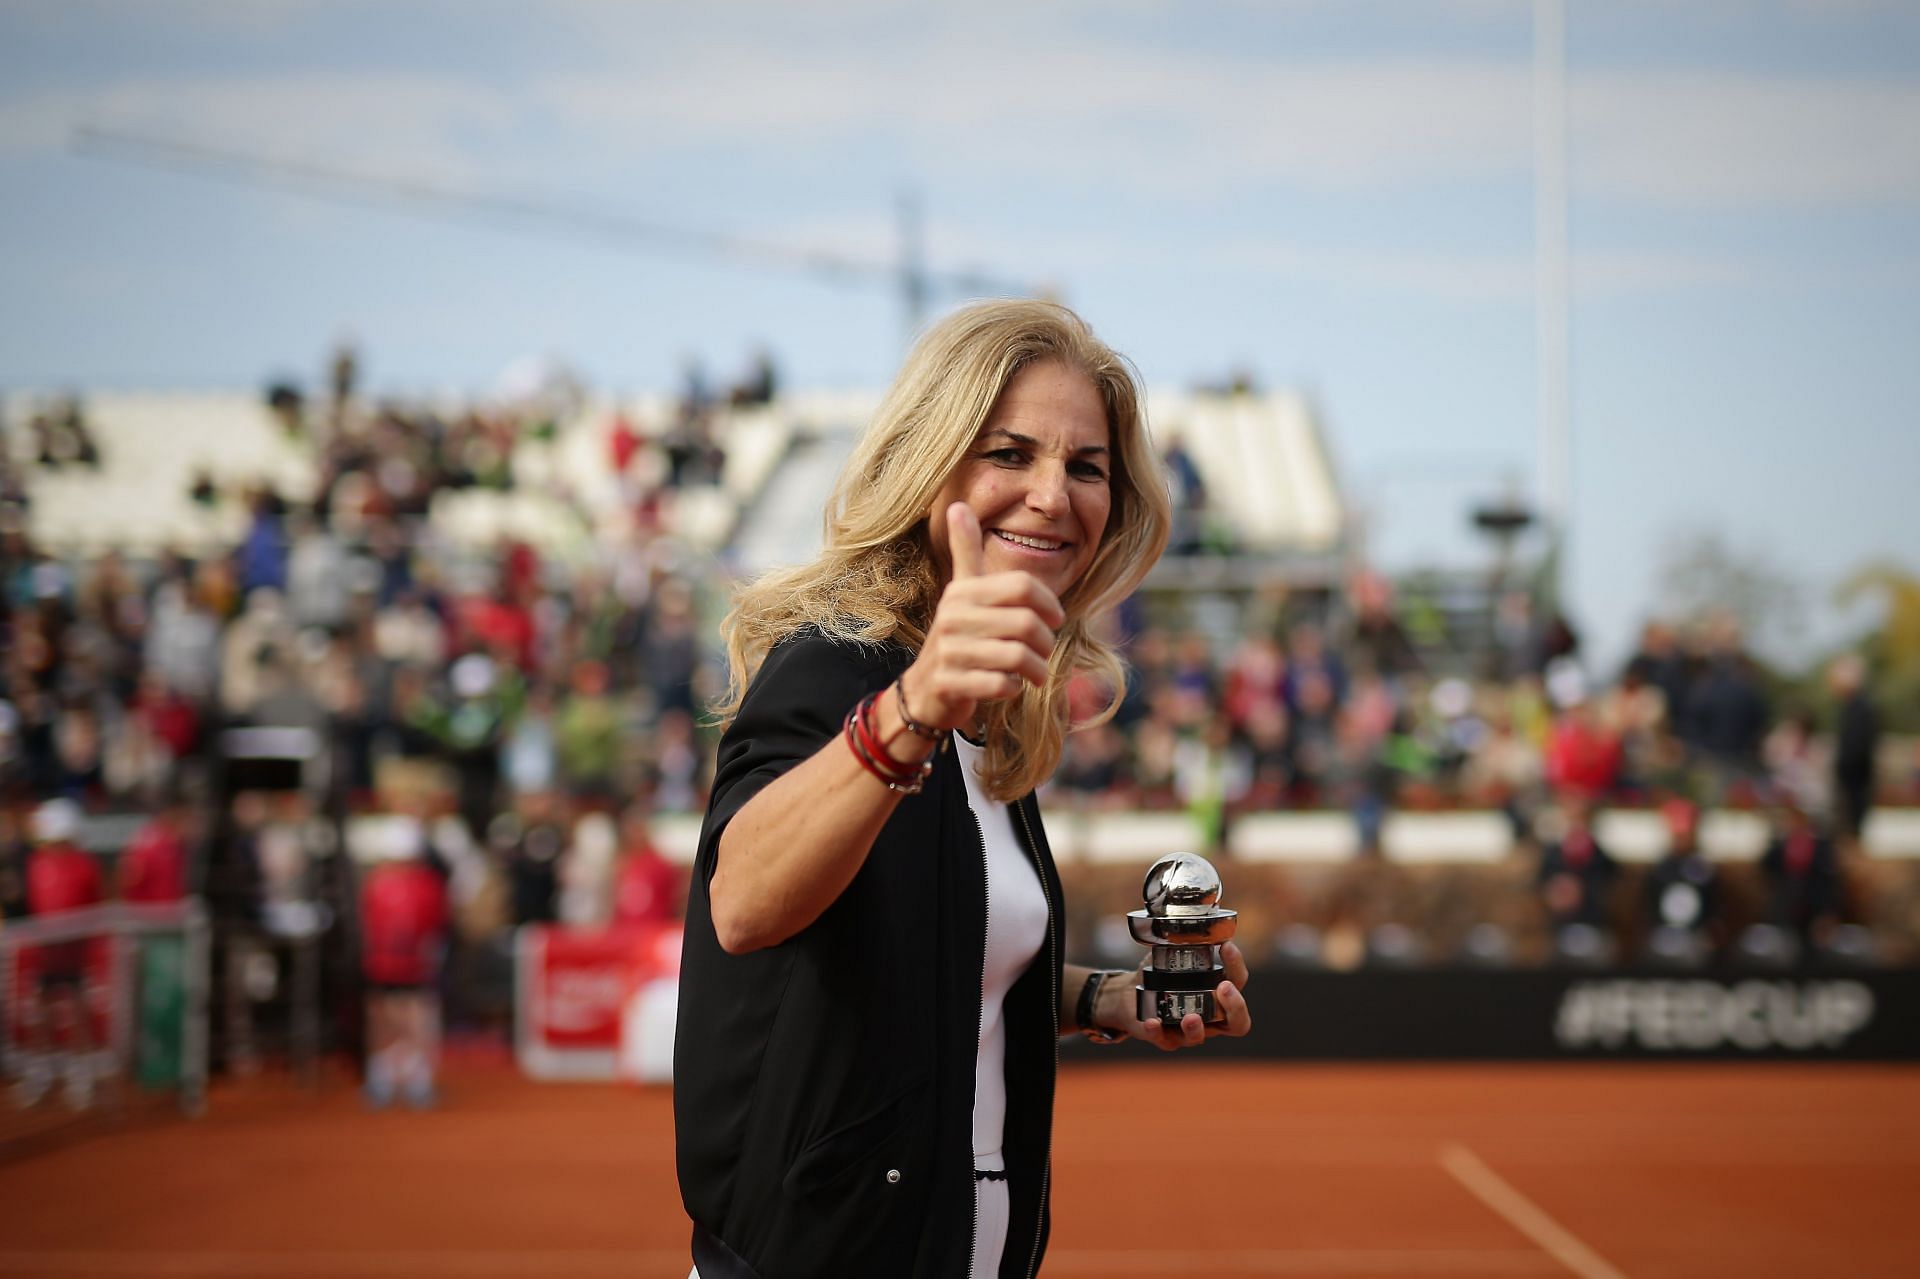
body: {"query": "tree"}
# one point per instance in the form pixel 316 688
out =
pixel 1701 574
pixel 1892 651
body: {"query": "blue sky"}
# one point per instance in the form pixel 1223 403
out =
pixel 1336 196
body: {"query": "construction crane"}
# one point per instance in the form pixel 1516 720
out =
pixel 915 283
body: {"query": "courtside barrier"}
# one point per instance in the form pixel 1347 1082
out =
pixel 144 992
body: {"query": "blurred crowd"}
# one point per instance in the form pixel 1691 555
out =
pixel 1320 708
pixel 341 659
pixel 1313 713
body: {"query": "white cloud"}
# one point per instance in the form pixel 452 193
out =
pixel 39 123
pixel 392 124
pixel 1171 123
pixel 1846 10
pixel 1717 139
pixel 1176 126
pixel 1618 272
pixel 1145 120
pixel 1435 274
pixel 1473 278
pixel 1248 130
pixel 1451 277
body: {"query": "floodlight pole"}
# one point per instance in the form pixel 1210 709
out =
pixel 1551 278
pixel 913 261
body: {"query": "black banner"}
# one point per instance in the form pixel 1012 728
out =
pixel 1542 1014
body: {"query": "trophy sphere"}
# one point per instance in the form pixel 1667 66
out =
pixel 1181 884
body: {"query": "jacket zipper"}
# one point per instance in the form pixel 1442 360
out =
pixel 1053 981
pixel 986 897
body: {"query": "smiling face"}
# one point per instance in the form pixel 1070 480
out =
pixel 1037 478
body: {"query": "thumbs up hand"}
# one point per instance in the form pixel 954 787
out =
pixel 965 542
pixel 991 633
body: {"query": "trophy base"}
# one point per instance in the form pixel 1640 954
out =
pixel 1169 1007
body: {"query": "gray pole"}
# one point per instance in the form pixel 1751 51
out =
pixel 1551 283
pixel 913 262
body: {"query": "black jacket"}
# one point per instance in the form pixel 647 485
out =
pixel 823 1088
pixel 1858 742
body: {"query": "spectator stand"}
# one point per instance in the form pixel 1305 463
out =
pixel 498 616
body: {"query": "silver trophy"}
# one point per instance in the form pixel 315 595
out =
pixel 1183 924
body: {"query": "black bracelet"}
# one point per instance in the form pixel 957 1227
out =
pixel 1083 1009
pixel 914 726
pixel 858 729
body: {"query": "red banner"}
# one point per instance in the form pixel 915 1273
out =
pixel 573 985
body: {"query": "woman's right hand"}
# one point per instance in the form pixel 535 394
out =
pixel 991 632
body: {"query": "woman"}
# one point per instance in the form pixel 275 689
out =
pixel 872 985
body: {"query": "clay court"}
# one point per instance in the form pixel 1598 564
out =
pixel 1385 1171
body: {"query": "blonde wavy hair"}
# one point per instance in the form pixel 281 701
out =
pixel 876 579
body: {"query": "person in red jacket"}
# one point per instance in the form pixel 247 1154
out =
pixel 61 877
pixel 1583 753
pixel 403 926
pixel 154 866
pixel 648 889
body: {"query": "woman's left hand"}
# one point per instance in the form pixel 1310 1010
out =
pixel 1192 1032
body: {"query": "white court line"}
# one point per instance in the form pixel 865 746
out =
pixel 425 1261
pixel 1524 1215
pixel 461 1262
pixel 1299 1261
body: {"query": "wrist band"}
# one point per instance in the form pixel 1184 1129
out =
pixel 908 779
pixel 1083 1009
pixel 914 726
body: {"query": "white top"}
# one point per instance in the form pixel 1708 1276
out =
pixel 1016 930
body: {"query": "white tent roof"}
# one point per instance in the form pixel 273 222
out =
pixel 1264 462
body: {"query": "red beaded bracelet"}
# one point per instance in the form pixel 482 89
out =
pixel 908 779
pixel 876 750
